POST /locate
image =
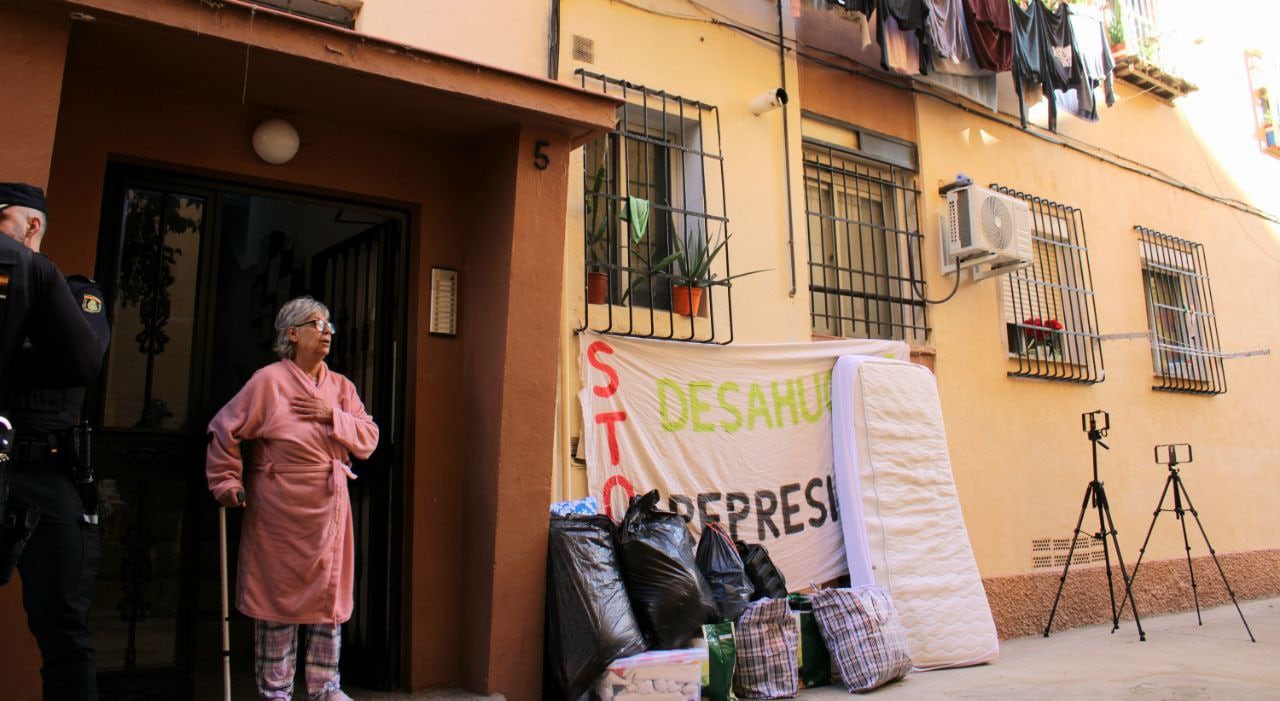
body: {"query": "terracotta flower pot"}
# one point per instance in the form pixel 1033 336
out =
pixel 685 300
pixel 597 287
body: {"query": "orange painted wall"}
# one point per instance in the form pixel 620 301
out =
pixel 105 118
pixel 109 116
pixel 33 51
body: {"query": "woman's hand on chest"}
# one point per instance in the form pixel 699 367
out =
pixel 312 409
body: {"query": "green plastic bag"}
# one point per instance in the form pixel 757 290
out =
pixel 812 658
pixel 722 656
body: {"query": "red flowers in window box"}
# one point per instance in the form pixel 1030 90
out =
pixel 1041 335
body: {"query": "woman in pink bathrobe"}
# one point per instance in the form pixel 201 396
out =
pixel 296 555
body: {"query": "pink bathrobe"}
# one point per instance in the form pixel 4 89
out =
pixel 296 548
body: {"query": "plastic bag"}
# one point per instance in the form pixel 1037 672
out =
pixel 717 677
pixel 589 617
pixel 670 598
pixel 765 577
pixel 719 562
pixel 814 659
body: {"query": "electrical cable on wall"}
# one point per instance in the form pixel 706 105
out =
pixel 1088 149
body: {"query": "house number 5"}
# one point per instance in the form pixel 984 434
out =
pixel 540 159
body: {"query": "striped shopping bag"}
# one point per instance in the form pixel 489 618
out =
pixel 864 635
pixel 767 641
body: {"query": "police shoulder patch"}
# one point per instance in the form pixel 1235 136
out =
pixel 91 304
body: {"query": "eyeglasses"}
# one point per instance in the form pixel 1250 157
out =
pixel 320 325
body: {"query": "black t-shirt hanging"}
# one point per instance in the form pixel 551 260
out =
pixel 1042 53
pixel 1028 43
pixel 912 16
pixel 1061 57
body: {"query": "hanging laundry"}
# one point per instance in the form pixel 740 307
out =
pixel 859 12
pixel 982 89
pixel 899 50
pixel 863 6
pixel 990 33
pixel 1043 54
pixel 909 17
pixel 954 66
pixel 1096 66
pixel 1061 53
pixel 950 40
pixel 1028 54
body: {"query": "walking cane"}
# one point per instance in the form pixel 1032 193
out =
pixel 227 635
pixel 226 614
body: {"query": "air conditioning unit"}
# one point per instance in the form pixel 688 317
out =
pixel 986 230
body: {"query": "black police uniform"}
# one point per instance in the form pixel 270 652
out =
pixel 44 397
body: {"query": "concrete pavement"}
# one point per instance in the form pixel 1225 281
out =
pixel 1179 660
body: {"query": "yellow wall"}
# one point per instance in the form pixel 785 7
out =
pixel 692 57
pixel 1020 460
pixel 511 35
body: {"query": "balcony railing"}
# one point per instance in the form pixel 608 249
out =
pixel 1150 45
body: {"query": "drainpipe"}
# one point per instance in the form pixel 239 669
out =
pixel 786 155
pixel 553 42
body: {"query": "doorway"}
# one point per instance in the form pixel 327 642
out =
pixel 194 271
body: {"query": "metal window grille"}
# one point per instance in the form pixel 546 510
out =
pixel 654 197
pixel 327 12
pixel 1050 312
pixel 1185 352
pixel 864 247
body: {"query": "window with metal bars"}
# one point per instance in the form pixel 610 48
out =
pixel 655 233
pixel 1185 352
pixel 1050 313
pixel 341 14
pixel 864 246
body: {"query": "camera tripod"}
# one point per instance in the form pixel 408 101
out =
pixel 1097 496
pixel 1180 494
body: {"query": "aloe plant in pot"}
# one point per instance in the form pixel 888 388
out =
pixel 691 265
pixel 597 241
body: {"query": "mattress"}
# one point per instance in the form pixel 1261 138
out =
pixel 903 528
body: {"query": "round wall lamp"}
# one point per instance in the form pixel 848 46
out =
pixel 275 141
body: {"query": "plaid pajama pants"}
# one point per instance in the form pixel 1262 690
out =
pixel 275 655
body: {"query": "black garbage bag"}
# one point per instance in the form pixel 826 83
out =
pixel 765 577
pixel 670 598
pixel 589 617
pixel 719 562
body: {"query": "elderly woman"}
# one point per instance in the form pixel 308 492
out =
pixel 296 556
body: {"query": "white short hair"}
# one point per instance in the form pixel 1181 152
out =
pixel 295 312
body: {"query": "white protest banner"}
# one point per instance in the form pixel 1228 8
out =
pixel 737 434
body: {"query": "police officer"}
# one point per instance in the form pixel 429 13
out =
pixel 52 502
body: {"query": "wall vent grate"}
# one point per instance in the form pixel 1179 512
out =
pixel 584 49
pixel 1052 552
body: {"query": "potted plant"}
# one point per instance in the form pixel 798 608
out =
pixel 1042 338
pixel 597 241
pixel 692 262
pixel 1115 29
